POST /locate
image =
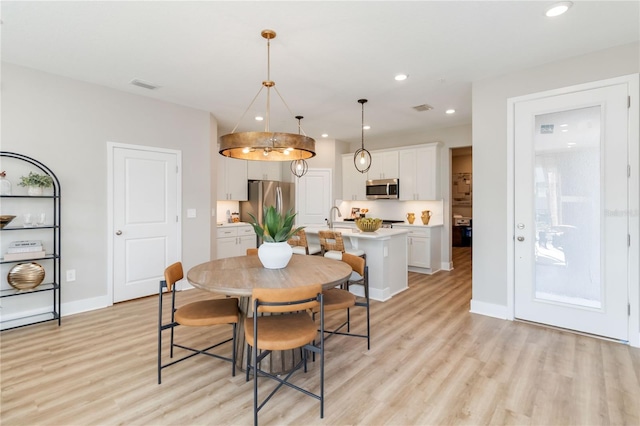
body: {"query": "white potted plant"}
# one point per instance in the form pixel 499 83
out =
pixel 275 231
pixel 35 183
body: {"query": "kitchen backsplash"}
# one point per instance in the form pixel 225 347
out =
pixel 395 210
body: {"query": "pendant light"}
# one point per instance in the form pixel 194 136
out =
pixel 362 157
pixel 267 145
pixel 299 167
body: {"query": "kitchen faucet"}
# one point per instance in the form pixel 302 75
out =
pixel 330 220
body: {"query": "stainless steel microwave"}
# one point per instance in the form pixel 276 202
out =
pixel 383 189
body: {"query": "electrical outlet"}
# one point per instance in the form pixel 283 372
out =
pixel 71 275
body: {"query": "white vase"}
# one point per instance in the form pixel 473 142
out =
pixel 275 255
pixel 34 190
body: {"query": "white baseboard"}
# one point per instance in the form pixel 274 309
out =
pixel 379 295
pixel 446 266
pixel 85 305
pixel 488 309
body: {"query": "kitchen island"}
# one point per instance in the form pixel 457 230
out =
pixel 386 251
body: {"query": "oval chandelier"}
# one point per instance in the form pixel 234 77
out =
pixel 362 157
pixel 267 145
pixel 299 167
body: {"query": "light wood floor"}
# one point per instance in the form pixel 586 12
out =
pixel 431 362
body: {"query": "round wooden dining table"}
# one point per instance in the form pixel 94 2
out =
pixel 238 276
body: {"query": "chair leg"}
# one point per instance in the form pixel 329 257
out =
pixel 249 353
pixel 233 352
pixel 254 355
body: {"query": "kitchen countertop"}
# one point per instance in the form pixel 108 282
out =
pixel 221 224
pixel 417 225
pixel 382 233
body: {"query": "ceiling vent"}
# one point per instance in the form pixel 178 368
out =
pixel 423 107
pixel 144 84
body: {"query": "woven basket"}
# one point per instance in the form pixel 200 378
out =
pixel 369 226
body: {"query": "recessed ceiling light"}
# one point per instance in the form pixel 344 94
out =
pixel 401 77
pixel 366 127
pixel 259 118
pixel 324 135
pixel 558 9
pixel 450 111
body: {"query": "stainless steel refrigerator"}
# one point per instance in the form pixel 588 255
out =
pixel 265 193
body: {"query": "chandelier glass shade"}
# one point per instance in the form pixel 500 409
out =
pixel 267 145
pixel 362 157
pixel 299 167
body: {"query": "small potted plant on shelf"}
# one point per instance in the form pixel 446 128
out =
pixel 275 231
pixel 35 183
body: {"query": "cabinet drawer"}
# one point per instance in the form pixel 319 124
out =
pixel 245 230
pixel 227 232
pixel 419 232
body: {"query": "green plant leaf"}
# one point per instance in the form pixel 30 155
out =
pixel 275 227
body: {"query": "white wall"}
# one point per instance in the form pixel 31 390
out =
pixel 66 124
pixel 490 154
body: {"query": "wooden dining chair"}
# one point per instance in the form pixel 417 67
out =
pixel 342 299
pixel 332 245
pixel 282 321
pixel 196 314
pixel 300 245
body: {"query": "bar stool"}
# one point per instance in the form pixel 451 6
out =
pixel 332 245
pixel 299 244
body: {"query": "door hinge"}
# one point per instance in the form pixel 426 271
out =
pixel 177 169
pixel 628 309
pixel 628 170
pixel 628 240
pixel 177 218
pixel 629 101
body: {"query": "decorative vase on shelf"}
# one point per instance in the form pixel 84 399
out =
pixel 34 191
pixel 275 255
pixel 5 184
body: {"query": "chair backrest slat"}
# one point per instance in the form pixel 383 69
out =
pixel 283 295
pixel 173 274
pixel 357 263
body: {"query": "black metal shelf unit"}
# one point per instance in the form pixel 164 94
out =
pixel 51 285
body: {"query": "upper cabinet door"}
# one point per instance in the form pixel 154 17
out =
pixel 419 173
pixel 232 179
pixel 428 173
pixel 264 170
pixel 384 165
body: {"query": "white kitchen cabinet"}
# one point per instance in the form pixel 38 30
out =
pixel 232 179
pixel 353 182
pixel 423 248
pixel 384 165
pixel 419 173
pixel 234 240
pixel 264 170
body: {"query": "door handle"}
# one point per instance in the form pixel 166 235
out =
pixel 118 232
pixel 520 238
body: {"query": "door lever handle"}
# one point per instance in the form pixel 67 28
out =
pixel 118 232
pixel 520 238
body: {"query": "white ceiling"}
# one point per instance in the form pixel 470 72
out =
pixel 210 55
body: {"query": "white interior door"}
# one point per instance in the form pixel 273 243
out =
pixel 145 220
pixel 313 197
pixel 571 211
